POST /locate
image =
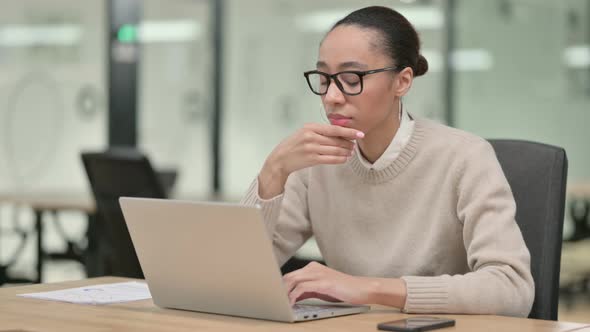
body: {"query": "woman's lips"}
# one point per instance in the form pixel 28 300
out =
pixel 339 120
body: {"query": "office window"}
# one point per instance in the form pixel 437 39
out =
pixel 52 92
pixel 175 91
pixel 52 106
pixel 268 46
pixel 522 71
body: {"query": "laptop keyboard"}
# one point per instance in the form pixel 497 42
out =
pixel 306 308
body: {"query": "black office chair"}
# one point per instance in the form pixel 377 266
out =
pixel 112 174
pixel 537 175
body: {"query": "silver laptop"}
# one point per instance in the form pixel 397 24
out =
pixel 215 258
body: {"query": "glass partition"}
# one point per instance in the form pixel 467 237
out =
pixel 524 73
pixel 52 107
pixel 52 92
pixel 175 91
pixel 269 44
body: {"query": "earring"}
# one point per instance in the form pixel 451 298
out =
pixel 400 109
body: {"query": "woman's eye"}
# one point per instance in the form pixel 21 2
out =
pixel 350 79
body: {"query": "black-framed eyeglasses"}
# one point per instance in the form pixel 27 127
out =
pixel 350 82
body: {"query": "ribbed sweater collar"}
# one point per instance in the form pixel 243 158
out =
pixel 397 166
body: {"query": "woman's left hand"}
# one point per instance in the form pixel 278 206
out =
pixel 318 281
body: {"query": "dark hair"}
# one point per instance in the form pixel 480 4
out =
pixel 398 38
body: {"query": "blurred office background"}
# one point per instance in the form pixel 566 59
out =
pixel 207 88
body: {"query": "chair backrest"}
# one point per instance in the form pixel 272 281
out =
pixel 112 174
pixel 537 176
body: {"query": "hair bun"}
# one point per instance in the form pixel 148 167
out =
pixel 421 66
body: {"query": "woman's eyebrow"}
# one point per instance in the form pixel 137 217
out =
pixel 344 65
pixel 321 64
pixel 352 65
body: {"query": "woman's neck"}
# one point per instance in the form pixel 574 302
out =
pixel 374 144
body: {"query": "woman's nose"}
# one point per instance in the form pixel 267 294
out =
pixel 334 95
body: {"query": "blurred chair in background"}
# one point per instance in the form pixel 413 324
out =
pixel 537 175
pixel 112 174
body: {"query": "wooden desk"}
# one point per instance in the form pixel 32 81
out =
pixel 17 313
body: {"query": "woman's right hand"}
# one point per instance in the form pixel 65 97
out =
pixel 311 145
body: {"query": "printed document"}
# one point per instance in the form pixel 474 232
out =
pixel 98 294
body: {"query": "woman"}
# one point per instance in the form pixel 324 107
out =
pixel 406 212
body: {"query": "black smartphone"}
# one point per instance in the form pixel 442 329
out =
pixel 413 324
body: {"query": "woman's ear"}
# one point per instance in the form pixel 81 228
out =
pixel 404 81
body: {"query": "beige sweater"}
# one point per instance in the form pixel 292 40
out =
pixel 441 216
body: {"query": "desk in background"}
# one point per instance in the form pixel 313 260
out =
pixel 575 265
pixel 579 210
pixel 17 313
pixel 50 203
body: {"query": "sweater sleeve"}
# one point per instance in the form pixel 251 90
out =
pixel 500 281
pixel 286 216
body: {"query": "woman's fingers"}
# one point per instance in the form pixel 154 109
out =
pixel 335 141
pixel 307 273
pixel 314 295
pixel 319 281
pixel 335 131
pixel 318 289
pixel 325 150
pixel 301 288
pixel 311 135
pixel 296 277
pixel 325 154
pixel 312 145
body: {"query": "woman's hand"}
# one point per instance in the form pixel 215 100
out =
pixel 311 145
pixel 318 281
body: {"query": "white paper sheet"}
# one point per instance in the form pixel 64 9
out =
pixel 98 294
